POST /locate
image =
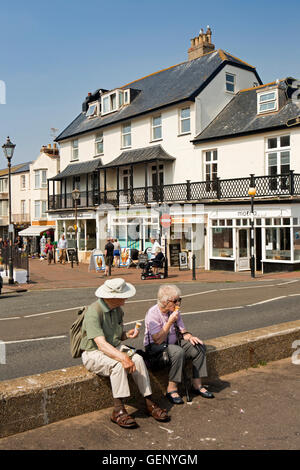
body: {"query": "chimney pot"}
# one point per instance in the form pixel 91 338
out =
pixel 201 45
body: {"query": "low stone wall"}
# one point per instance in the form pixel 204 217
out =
pixel 33 401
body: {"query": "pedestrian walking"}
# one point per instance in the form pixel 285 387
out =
pixel 108 256
pixel 49 250
pixel 117 253
pixel 62 246
pixel 43 242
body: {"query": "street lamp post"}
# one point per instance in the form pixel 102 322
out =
pixel 76 196
pixel 251 193
pixel 8 149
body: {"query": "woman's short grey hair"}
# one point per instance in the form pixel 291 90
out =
pixel 167 292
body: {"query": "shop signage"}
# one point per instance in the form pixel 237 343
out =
pixel 174 253
pixel 183 261
pixel 188 220
pixel 166 220
pixel 246 213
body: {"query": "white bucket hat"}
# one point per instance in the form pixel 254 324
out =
pixel 115 289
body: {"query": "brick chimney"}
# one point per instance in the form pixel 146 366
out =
pixel 201 44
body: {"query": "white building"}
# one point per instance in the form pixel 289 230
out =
pixel 19 209
pixel 30 194
pixel 172 138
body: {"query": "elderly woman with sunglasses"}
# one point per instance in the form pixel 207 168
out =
pixel 161 322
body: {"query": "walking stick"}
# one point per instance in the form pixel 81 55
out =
pixel 185 380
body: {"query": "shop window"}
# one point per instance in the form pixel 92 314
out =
pixel 296 238
pixel 286 221
pixel 222 242
pixel 278 243
pixel 258 221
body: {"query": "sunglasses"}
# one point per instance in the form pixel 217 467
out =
pixel 176 301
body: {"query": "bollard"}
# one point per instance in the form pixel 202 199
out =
pixel 194 267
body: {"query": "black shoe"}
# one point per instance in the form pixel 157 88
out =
pixel 175 400
pixel 206 394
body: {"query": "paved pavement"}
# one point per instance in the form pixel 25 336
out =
pixel 253 409
pixel 44 276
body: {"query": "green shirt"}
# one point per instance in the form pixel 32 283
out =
pixel 107 323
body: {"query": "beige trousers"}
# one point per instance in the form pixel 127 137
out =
pixel 97 362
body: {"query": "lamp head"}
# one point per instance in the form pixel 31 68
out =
pixel 75 194
pixel 252 192
pixel 8 149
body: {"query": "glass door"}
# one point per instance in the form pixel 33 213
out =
pixel 243 249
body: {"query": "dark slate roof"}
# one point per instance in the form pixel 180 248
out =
pixel 20 168
pixel 81 168
pixel 240 116
pixel 142 155
pixel 175 84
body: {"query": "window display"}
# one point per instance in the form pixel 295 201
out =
pixel 222 242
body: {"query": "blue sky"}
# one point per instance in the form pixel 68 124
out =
pixel 54 53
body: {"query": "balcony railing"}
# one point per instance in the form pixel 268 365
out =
pixel 234 188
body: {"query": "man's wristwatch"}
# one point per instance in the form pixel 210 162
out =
pixel 130 352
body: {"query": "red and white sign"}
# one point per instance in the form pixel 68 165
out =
pixel 166 220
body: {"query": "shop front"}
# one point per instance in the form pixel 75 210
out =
pixel 276 238
pixel 86 232
pixel 135 228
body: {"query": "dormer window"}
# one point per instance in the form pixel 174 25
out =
pixel 114 100
pixel 267 101
pixel 93 110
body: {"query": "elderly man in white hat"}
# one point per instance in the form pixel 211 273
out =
pixel 103 353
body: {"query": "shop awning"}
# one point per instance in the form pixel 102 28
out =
pixel 35 230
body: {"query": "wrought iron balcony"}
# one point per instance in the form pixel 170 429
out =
pixel 218 189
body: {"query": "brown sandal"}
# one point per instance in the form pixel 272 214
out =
pixel 157 413
pixel 123 419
